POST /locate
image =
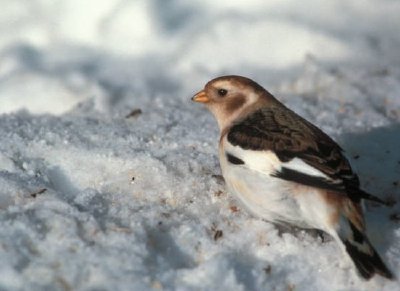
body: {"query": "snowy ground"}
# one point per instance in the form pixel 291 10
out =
pixel 91 199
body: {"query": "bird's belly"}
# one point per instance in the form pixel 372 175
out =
pixel 279 201
pixel 266 197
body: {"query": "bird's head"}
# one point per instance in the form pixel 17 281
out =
pixel 230 97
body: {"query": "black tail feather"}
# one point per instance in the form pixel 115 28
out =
pixel 364 256
pixel 367 264
pixel 367 196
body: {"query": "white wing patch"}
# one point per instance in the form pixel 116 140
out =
pixel 299 165
pixel 267 162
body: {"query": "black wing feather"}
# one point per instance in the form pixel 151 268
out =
pixel 308 180
pixel 290 136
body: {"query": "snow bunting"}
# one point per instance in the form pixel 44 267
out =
pixel 286 170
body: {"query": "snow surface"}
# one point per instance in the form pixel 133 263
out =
pixel 92 199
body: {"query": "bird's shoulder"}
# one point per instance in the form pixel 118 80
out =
pixel 277 128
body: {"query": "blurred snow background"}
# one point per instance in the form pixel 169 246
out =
pixel 109 175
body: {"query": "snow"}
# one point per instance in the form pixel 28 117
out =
pixel 92 199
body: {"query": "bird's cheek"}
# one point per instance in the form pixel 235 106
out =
pixel 235 103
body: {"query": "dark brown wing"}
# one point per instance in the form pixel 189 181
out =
pixel 290 136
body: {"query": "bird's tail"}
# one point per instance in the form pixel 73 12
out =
pixel 364 256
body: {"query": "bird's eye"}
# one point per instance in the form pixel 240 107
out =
pixel 222 92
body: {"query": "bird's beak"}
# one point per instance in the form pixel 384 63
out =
pixel 201 97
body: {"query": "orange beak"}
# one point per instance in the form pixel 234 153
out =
pixel 201 97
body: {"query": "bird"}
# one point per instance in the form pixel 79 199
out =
pixel 284 169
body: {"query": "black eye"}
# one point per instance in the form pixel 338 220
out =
pixel 222 92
